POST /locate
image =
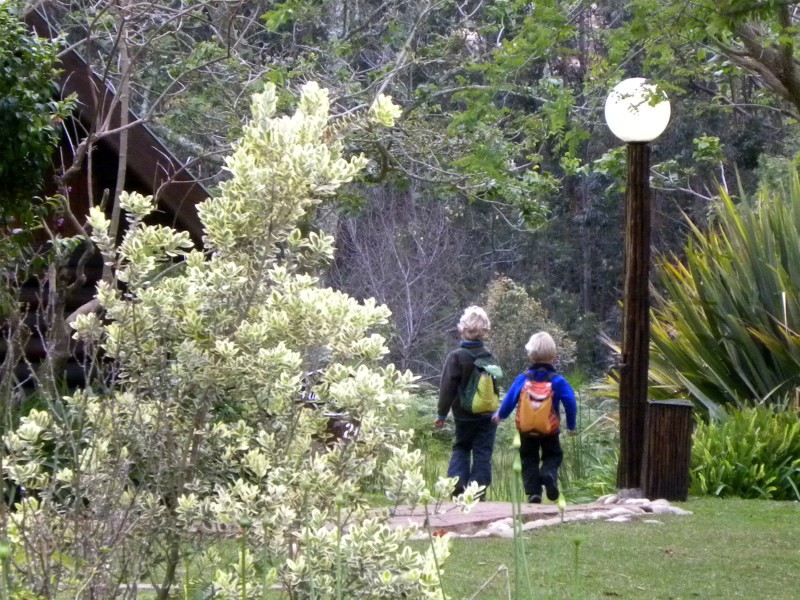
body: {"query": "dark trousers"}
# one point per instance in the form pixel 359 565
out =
pixel 550 459
pixel 472 452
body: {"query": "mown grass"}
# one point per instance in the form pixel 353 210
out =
pixel 726 549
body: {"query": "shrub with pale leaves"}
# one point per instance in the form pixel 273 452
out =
pixel 195 417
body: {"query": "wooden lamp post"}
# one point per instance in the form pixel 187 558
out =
pixel 636 116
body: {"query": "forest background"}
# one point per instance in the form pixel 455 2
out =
pixel 501 164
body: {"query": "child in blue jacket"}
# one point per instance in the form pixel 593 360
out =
pixel 541 455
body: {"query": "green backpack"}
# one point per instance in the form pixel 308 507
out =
pixel 481 394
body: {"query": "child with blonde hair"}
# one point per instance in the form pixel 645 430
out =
pixel 540 449
pixel 471 459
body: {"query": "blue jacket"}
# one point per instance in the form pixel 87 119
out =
pixel 562 393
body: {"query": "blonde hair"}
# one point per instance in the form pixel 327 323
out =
pixel 474 324
pixel 541 348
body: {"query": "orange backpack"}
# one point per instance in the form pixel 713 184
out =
pixel 535 413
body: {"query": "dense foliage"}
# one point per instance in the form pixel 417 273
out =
pixel 30 118
pixel 502 128
pixel 749 453
pixel 28 114
pixel 725 329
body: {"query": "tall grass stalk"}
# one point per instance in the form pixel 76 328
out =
pixel 501 569
pixel 522 576
pixel 186 588
pixel 433 549
pixel 243 560
pixel 503 477
pixel 575 562
pixel 338 550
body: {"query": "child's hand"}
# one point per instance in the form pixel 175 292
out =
pixel 496 419
pixel 572 432
pixel 439 423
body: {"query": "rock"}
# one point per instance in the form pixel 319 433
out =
pixel 660 509
pixel 635 501
pixel 587 516
pixel 502 529
pixel 483 533
pixel 620 519
pixel 503 532
pixel 660 502
pixel 653 521
pixel 610 499
pixel 618 512
pixel 627 510
pixel 508 522
pixel 538 523
pixel 679 511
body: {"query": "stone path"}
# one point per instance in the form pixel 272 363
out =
pixel 494 519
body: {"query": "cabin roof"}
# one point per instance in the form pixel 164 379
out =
pixel 149 161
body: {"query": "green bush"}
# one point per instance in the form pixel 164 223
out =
pixel 515 316
pixel 750 453
pixel 29 117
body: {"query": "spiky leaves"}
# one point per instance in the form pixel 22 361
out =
pixel 726 327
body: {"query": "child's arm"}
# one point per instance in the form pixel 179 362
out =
pixel 511 398
pixel 566 395
pixel 448 389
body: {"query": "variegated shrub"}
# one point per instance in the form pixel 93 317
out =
pixel 199 415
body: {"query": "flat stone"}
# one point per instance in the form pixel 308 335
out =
pixel 483 533
pixel 679 511
pixel 607 499
pixel 620 519
pixel 635 501
pixel 541 523
pixel 449 518
pixel 660 509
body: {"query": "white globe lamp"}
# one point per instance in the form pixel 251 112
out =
pixel 632 112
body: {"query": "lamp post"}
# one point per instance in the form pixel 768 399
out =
pixel 634 117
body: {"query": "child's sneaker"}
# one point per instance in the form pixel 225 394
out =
pixel 551 487
pixel 534 499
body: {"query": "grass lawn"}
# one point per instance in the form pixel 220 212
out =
pixel 726 549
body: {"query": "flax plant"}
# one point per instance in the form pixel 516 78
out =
pixel 726 330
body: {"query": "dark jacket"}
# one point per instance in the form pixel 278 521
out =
pixel 456 373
